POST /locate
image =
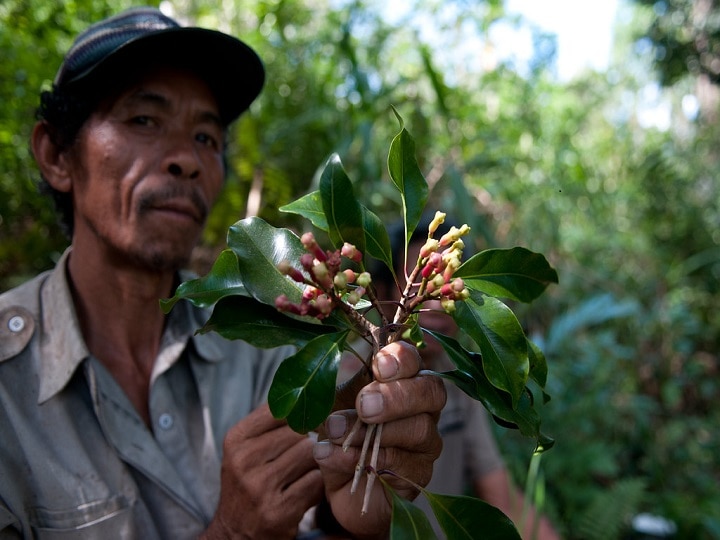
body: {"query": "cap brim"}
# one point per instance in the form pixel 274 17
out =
pixel 232 70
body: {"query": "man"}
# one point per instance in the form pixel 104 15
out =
pixel 119 422
pixel 470 461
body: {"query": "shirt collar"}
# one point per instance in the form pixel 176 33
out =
pixel 63 348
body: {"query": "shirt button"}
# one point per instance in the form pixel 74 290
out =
pixel 165 421
pixel 16 324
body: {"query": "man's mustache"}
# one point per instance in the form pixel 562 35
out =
pixel 175 192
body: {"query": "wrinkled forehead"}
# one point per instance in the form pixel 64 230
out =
pixel 162 85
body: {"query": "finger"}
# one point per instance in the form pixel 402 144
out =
pixel 398 360
pixel 417 433
pixel 295 462
pixel 250 445
pixel 348 391
pixel 258 421
pixel 308 488
pixel 379 402
pixel 337 465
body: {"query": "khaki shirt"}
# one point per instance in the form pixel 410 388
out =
pixel 76 460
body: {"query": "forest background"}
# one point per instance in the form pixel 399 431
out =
pixel 625 210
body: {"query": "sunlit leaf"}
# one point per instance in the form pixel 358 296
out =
pixel 259 248
pixel 469 518
pixel 407 177
pixel 502 342
pixel 470 378
pixel 515 273
pixel 310 207
pixel 408 521
pixel 342 210
pixel 242 317
pixel 303 389
pixel 222 280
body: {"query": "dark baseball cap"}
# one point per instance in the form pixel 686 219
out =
pixel 104 55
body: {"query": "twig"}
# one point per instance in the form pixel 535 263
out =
pixel 363 456
pixel 373 467
pixel 348 440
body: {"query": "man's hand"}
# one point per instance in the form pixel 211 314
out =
pixel 269 479
pixel 409 407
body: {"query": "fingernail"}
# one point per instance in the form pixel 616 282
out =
pixel 371 404
pixel 335 426
pixel 322 449
pixel 387 366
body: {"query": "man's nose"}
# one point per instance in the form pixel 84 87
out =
pixel 182 160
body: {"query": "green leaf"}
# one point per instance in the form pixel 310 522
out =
pixel 222 280
pixel 303 389
pixel 408 521
pixel 377 241
pixel 242 317
pixel 310 207
pixel 259 248
pixel 515 273
pixel 470 378
pixel 467 517
pixel 538 364
pixel 342 210
pixel 407 177
pixel 413 333
pixel 503 345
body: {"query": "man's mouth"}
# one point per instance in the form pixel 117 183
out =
pixel 183 203
pixel 182 208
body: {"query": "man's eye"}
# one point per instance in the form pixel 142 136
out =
pixel 206 139
pixel 142 120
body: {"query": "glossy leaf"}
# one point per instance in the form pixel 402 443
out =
pixel 222 280
pixel 470 378
pixel 259 248
pixel 503 345
pixel 413 333
pixel 538 364
pixel 516 273
pixel 408 521
pixel 377 241
pixel 303 389
pixel 469 518
pixel 310 207
pixel 242 317
pixel 407 177
pixel 342 210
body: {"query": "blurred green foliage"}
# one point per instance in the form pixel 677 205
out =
pixel 628 214
pixel 685 37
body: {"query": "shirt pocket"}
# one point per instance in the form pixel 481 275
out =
pixel 103 519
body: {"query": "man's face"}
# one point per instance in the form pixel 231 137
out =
pixel 146 169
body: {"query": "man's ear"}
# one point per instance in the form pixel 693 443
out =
pixel 53 162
